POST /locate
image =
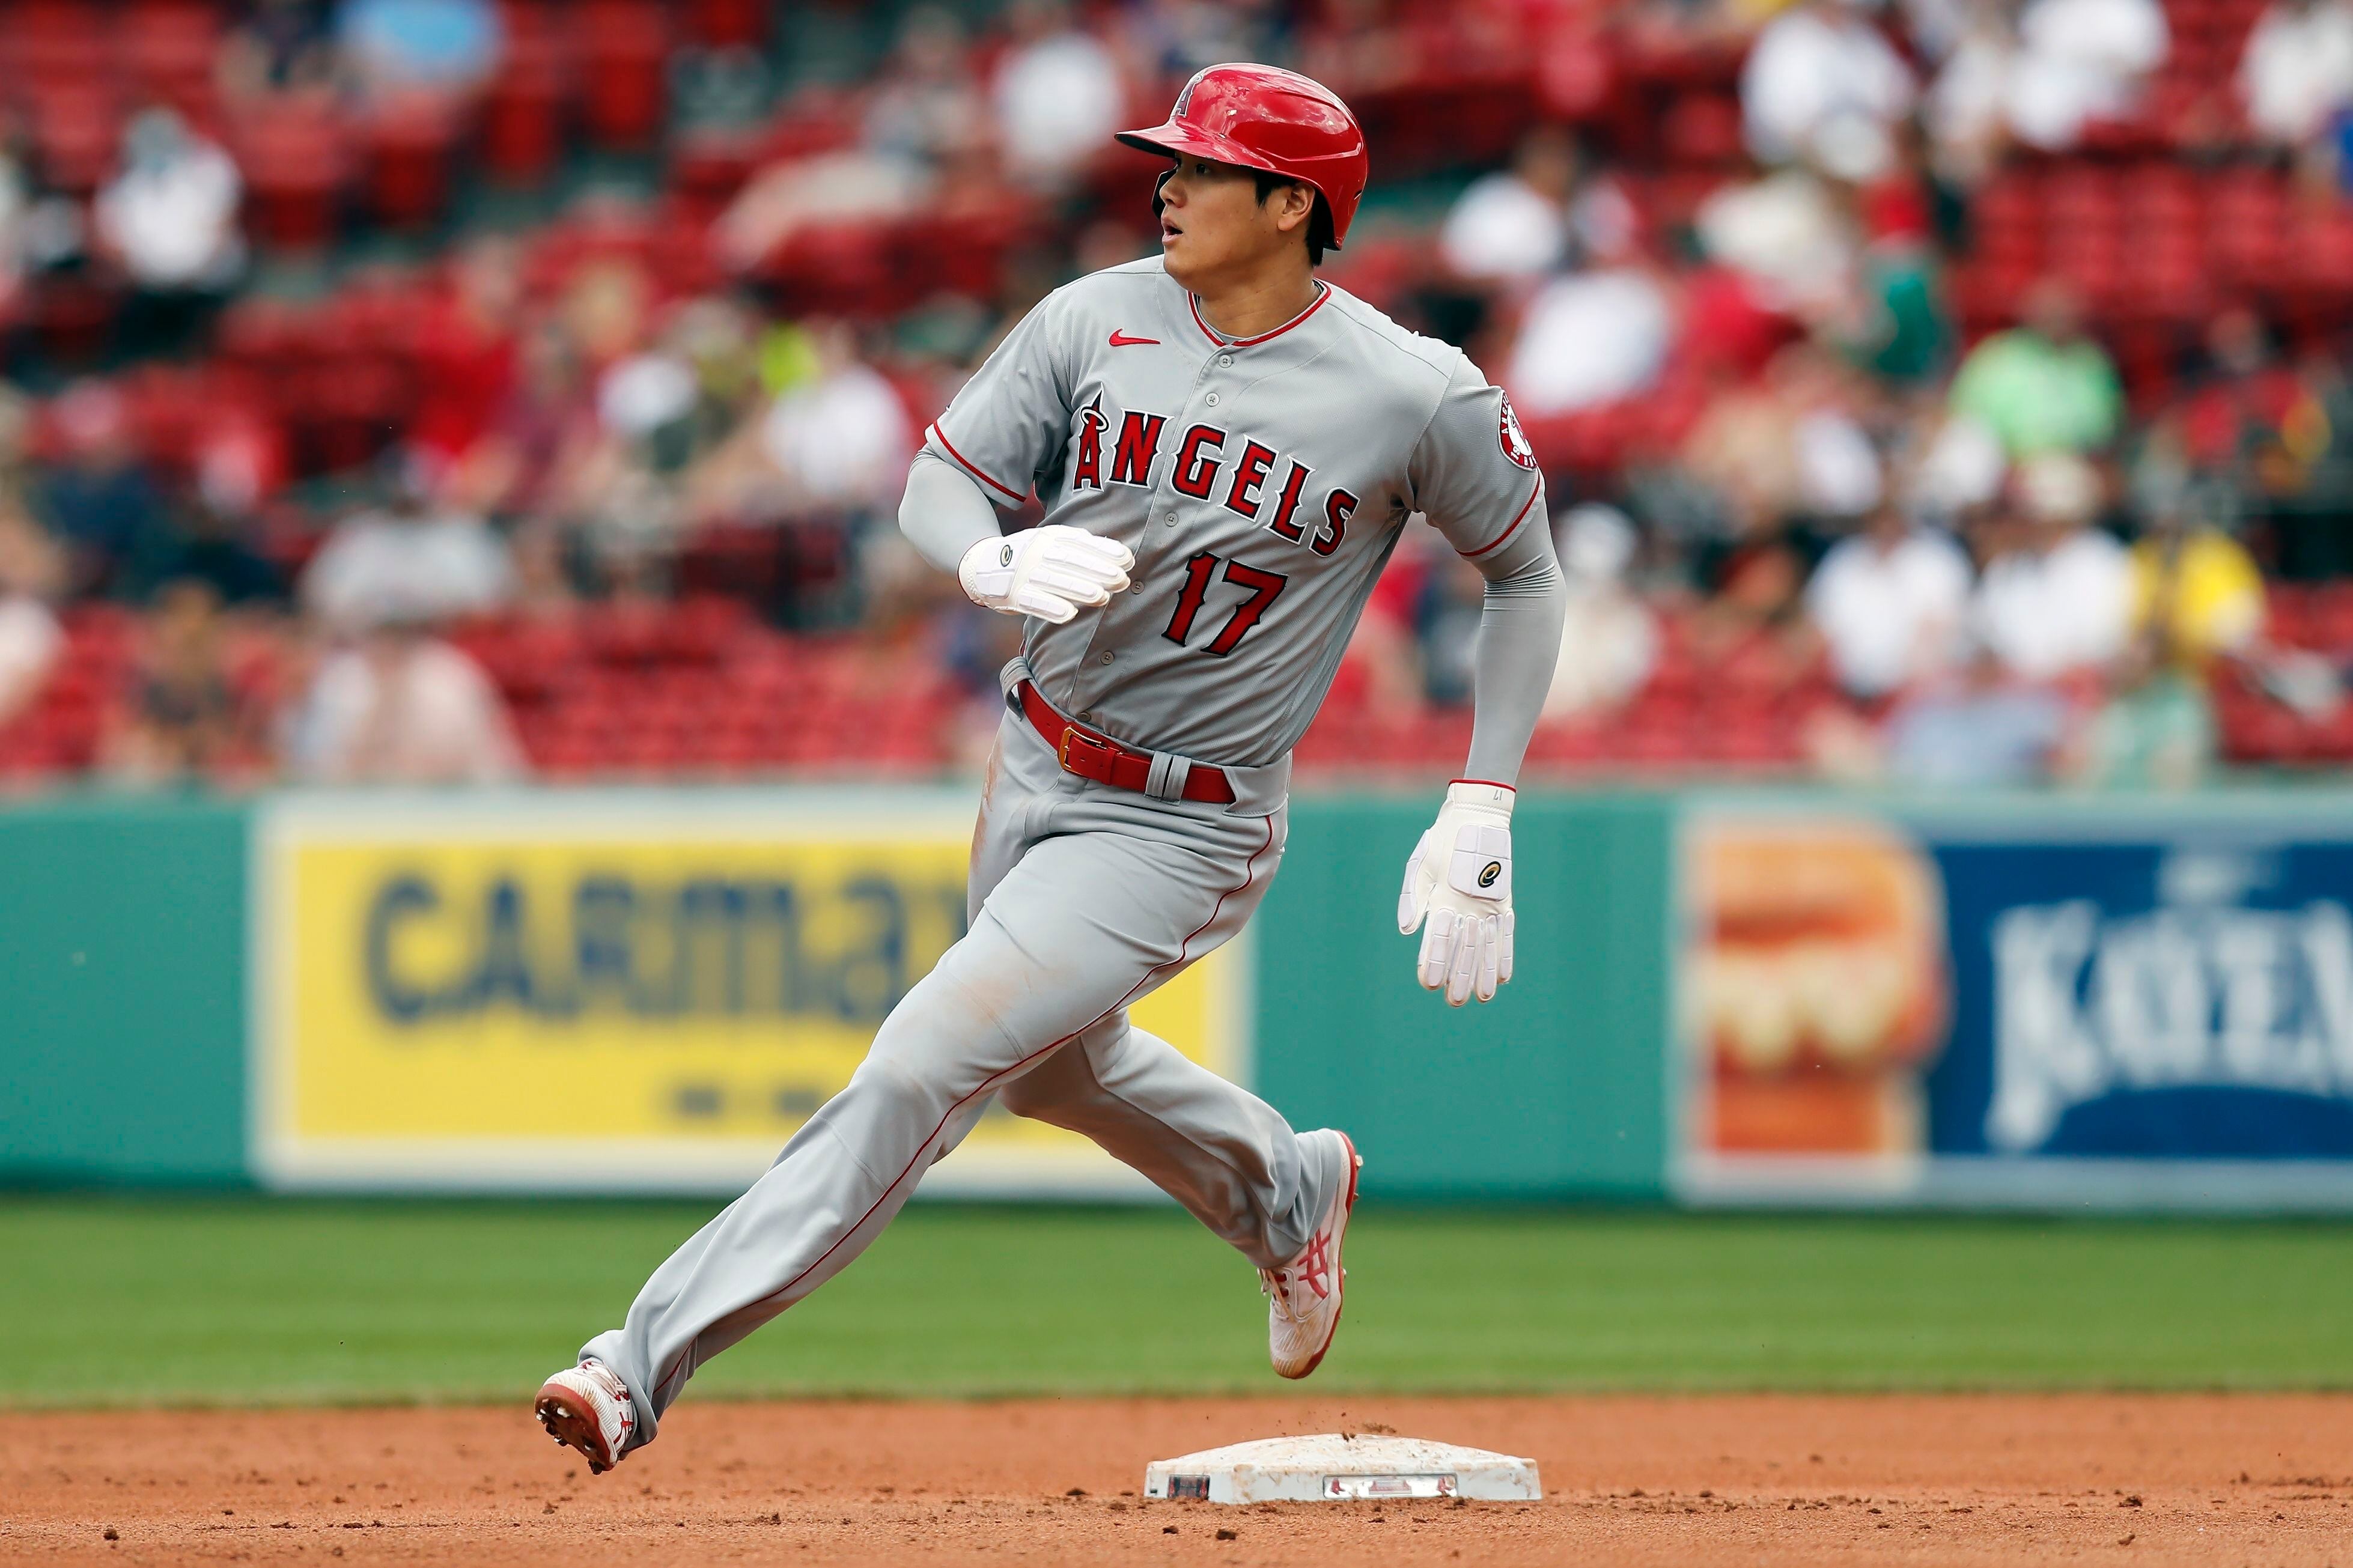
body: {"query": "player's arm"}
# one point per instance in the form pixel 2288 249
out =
pixel 1520 620
pixel 984 453
pixel 943 514
pixel 1474 479
pixel 1050 572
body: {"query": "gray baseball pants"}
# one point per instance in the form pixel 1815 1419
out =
pixel 1082 898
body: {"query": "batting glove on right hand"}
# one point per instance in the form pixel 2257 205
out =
pixel 1051 572
pixel 1458 889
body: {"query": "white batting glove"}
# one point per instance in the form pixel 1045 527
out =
pixel 1460 883
pixel 1051 572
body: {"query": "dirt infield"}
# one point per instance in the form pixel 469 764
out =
pixel 2264 1480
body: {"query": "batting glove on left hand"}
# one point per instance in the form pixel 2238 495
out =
pixel 1458 889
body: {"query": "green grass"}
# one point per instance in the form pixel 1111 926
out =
pixel 249 1300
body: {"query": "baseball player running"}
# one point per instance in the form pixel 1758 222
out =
pixel 1228 449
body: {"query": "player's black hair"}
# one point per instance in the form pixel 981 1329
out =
pixel 1319 222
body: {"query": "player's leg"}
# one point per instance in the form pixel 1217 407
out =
pixel 1216 1148
pixel 1224 1153
pixel 599 1414
pixel 1086 921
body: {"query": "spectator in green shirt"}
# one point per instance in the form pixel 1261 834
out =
pixel 2043 386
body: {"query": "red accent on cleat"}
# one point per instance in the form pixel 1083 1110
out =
pixel 570 1422
pixel 1355 1163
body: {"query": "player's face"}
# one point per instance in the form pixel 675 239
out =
pixel 1214 229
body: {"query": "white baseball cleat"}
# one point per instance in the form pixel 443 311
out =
pixel 588 1408
pixel 1303 1295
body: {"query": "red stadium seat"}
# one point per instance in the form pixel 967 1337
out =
pixel 728 24
pixel 408 142
pixel 523 120
pixel 166 50
pixel 295 160
pixel 1704 128
pixel 625 62
pixel 77 128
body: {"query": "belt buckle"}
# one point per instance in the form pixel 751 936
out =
pixel 1088 748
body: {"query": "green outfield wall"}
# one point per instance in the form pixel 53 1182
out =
pixel 122 984
pixel 128 989
pixel 1722 998
pixel 1555 1087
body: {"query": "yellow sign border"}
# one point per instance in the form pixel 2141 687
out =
pixel 287 1157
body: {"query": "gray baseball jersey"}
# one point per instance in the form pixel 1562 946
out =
pixel 1261 483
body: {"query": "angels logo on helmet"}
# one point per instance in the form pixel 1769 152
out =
pixel 1515 440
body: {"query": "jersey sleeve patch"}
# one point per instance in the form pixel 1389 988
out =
pixel 1515 440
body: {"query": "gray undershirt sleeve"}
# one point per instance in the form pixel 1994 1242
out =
pixel 1476 480
pixel 944 514
pixel 1519 644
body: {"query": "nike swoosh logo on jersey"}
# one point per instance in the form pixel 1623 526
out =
pixel 1120 340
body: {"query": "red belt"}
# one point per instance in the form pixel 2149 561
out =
pixel 1091 754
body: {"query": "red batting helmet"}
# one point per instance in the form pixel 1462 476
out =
pixel 1277 121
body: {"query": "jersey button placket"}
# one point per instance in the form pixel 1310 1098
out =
pixel 1164 494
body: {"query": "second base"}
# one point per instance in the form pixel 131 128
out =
pixel 1333 1467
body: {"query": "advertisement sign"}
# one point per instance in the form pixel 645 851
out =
pixel 612 992
pixel 2055 1005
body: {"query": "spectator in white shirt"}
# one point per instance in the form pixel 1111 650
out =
pixel 1823 84
pixel 170 219
pixel 435 563
pixel 1966 109
pixel 400 706
pixel 2297 72
pixel 1589 339
pixel 1057 94
pixel 831 448
pixel 842 441
pixel 2080 61
pixel 1790 237
pixel 1515 222
pixel 1543 213
pixel 2056 595
pixel 1891 604
pixel 171 214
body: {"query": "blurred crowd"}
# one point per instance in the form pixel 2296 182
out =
pixel 1949 391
